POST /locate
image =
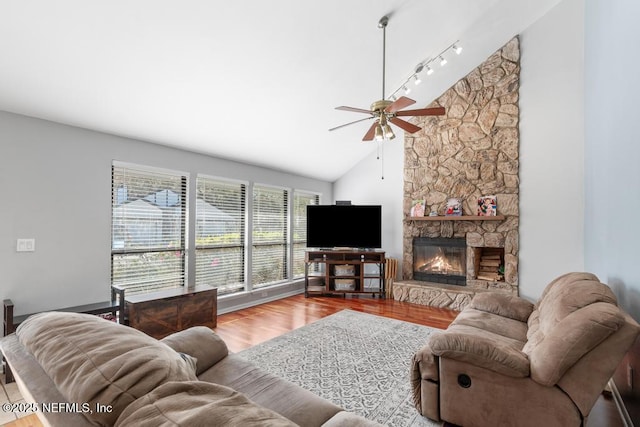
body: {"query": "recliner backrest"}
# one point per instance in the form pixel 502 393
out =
pixel 575 313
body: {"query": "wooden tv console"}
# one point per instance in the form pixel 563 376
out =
pixel 344 272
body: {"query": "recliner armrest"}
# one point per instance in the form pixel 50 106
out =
pixel 199 342
pixel 480 351
pixel 503 305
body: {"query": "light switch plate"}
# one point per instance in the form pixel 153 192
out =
pixel 26 245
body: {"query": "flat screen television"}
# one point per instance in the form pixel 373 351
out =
pixel 344 226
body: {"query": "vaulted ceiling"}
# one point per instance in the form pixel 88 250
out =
pixel 249 80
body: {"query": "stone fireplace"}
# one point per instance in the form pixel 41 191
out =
pixel 470 152
pixel 440 260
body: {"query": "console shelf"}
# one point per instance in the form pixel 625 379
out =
pixel 344 272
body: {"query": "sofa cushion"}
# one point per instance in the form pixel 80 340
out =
pixel 284 397
pixel 95 361
pixel 197 403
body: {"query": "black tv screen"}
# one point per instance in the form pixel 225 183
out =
pixel 344 226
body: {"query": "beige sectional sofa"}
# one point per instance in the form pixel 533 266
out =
pixel 505 361
pixel 82 370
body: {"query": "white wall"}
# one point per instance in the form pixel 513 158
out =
pixel 552 147
pixel 55 185
pixel 613 147
pixel 551 155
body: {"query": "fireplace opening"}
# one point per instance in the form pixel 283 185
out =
pixel 440 260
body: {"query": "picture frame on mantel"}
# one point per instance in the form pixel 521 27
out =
pixel 487 206
pixel 417 208
pixel 453 207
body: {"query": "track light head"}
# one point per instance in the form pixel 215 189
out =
pixel 406 89
pixel 443 61
pixel 429 70
pixel 457 49
pixel 416 80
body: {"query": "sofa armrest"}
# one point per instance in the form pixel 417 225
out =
pixel 503 305
pixel 199 342
pixel 480 351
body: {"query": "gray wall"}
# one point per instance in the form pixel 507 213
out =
pixel 55 183
pixel 612 182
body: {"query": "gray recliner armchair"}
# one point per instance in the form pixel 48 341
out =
pixel 505 361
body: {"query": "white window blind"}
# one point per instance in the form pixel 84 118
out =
pixel 148 229
pixel 269 234
pixel 300 201
pixel 220 234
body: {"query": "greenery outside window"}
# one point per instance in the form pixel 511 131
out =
pixel 220 234
pixel 270 234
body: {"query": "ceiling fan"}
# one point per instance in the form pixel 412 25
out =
pixel 385 111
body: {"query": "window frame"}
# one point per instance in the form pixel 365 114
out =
pixel 181 249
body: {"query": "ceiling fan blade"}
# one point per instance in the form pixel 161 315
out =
pixel 350 123
pixel 370 133
pixel 409 127
pixel 435 111
pixel 399 104
pixel 355 110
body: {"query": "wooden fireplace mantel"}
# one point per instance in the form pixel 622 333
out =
pixel 456 218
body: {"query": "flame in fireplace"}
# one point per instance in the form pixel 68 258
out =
pixel 438 264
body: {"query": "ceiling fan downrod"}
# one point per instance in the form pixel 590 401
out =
pixel 383 24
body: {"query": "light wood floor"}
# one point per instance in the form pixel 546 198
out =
pixel 248 327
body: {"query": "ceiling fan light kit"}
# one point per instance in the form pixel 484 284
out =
pixel 385 111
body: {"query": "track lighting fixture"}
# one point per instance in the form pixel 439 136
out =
pixel 426 65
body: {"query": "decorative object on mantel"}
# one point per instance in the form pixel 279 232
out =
pixel 433 213
pixel 417 208
pixel 457 218
pixel 454 207
pixel 487 206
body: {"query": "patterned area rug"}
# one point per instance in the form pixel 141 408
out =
pixel 358 361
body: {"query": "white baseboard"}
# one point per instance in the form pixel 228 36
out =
pixel 626 418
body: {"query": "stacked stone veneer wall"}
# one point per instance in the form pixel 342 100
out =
pixel 469 152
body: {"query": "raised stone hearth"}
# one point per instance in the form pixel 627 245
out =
pixel 470 152
pixel 434 295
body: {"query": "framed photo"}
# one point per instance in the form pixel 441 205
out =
pixel 454 207
pixel 487 206
pixel 417 208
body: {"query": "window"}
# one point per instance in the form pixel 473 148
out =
pixel 220 234
pixel 148 226
pixel 300 201
pixel 269 235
